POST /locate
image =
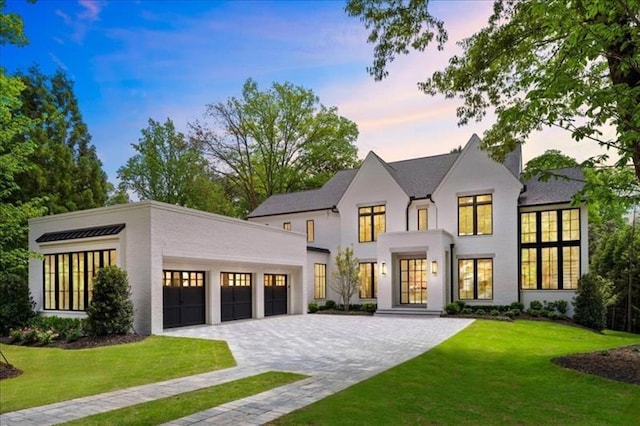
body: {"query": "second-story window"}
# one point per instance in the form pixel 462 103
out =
pixel 371 222
pixel 286 226
pixel 310 231
pixel 475 215
pixel 423 221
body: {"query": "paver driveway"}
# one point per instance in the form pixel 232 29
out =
pixel 335 351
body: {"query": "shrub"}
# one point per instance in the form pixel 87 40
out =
pixel 65 328
pixel 536 305
pixel 516 306
pixel 467 311
pixel 461 304
pixel 552 315
pixel 562 306
pixel 512 313
pixel 16 307
pixel 494 313
pixel 111 309
pixel 534 312
pixel 452 308
pixel 313 307
pixel 592 298
pixel 369 307
pixel 330 304
pixel 480 312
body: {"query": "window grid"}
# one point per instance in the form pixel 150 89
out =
pixel 371 222
pixel 235 279
pixel 68 278
pixel 413 281
pixel 368 280
pixel 172 278
pixel 319 280
pixel 475 215
pixel 475 279
pixel 275 280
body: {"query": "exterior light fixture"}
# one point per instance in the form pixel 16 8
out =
pixel 434 267
pixel 383 268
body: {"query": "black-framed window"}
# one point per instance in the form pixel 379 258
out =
pixel 423 219
pixel 319 280
pixel 368 280
pixel 371 222
pixel 475 279
pixel 550 249
pixel 173 278
pixel 475 215
pixel 310 230
pixel 413 281
pixel 275 280
pixel 235 279
pixel 68 278
pixel 286 226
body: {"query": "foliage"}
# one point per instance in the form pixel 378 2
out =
pixel 275 141
pixel 591 301
pixel 369 307
pixel 517 306
pixel 330 304
pixel 163 410
pixel 536 63
pixel 452 308
pixel 111 309
pixel 168 168
pixel 536 305
pixel 64 166
pixel 345 280
pixel 16 308
pixel 616 258
pixel 53 375
pixel 69 329
pixel 481 381
pixel 313 307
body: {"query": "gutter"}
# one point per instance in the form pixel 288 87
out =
pixel 451 246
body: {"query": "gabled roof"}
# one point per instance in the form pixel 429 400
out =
pixel 560 188
pixel 73 234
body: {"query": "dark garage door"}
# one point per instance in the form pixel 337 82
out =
pixel 235 296
pixel 183 298
pixel 275 294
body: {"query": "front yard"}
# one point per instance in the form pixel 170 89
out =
pixel 52 374
pixel 490 373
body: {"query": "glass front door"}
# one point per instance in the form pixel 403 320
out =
pixel 413 281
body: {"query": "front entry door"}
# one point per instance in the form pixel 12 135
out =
pixel 413 281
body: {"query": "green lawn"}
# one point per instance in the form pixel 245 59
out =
pixel 490 373
pixel 52 375
pixel 174 407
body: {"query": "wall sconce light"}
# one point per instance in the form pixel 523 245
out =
pixel 434 267
pixel 383 268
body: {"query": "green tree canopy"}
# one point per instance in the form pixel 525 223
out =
pixel 64 165
pixel 275 141
pixel 575 65
pixel 169 168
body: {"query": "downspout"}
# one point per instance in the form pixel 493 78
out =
pixel 406 218
pixel 451 246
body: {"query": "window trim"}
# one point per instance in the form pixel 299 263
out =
pixel 559 244
pixel 474 205
pixel 317 284
pixel 475 277
pixel 373 283
pixel 370 217
pixel 311 230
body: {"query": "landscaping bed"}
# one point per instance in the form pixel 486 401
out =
pixel 620 364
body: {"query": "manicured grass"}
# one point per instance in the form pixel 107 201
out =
pixel 174 407
pixel 490 373
pixel 52 375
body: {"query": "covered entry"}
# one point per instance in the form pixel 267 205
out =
pixel 235 296
pixel 275 294
pixel 183 298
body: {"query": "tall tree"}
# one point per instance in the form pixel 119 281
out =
pixel 14 253
pixel 169 168
pixel 575 65
pixel 65 167
pixel 275 141
pixel 345 280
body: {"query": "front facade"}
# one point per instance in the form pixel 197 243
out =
pixel 433 230
pixel 185 267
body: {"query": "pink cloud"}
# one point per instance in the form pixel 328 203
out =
pixel 91 11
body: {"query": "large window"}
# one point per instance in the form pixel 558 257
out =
pixel 68 278
pixel 475 279
pixel 423 219
pixel 413 281
pixel 475 215
pixel 319 280
pixel 310 231
pixel 550 249
pixel 368 280
pixel 371 222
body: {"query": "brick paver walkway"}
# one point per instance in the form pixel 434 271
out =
pixel 335 351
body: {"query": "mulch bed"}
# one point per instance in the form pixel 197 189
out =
pixel 8 371
pixel 620 364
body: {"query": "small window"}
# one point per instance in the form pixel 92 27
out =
pixel 423 219
pixel 310 231
pixel 371 222
pixel 319 280
pixel 286 226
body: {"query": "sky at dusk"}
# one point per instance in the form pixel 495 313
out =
pixel 135 60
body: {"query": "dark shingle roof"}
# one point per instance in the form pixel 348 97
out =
pixel 419 177
pixel 73 234
pixel 560 189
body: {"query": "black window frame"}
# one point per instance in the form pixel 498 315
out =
pixel 286 226
pixel 370 218
pixel 426 220
pixel 474 204
pixel 372 284
pixel 323 284
pixel 311 235
pixel 475 277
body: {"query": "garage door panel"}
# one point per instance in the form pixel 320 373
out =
pixel 275 294
pixel 183 298
pixel 236 297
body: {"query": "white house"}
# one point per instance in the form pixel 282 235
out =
pixel 427 231
pixel 184 266
pixel 432 230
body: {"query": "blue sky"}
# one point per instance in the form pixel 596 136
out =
pixel 135 60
